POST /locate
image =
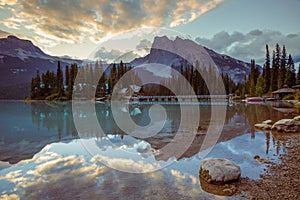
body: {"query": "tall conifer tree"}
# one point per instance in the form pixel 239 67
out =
pixel 59 80
pixel 290 78
pixel 282 68
pixel 274 74
pixel 267 71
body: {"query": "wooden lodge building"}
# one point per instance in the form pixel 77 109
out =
pixel 281 93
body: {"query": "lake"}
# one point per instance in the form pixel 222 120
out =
pixel 56 151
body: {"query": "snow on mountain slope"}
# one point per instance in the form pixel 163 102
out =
pixel 23 49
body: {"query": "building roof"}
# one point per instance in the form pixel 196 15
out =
pixel 134 88
pixel 284 90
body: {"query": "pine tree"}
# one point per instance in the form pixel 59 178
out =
pixel 32 88
pixel 277 55
pixel 112 78
pixel 282 68
pixel 38 84
pixel 52 82
pixel 267 71
pixel 252 88
pixel 290 78
pixel 253 78
pixel 73 74
pixel 67 75
pixel 120 70
pixel 226 82
pixel 38 79
pixel 298 76
pixel 59 80
pixel 68 82
pixel 46 83
pixel 274 74
pixel 35 88
pixel 259 86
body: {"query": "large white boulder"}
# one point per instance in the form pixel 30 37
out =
pixel 287 125
pixel 297 118
pixel 219 170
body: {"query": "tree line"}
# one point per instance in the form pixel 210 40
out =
pixel 61 85
pixel 196 82
pixel 275 75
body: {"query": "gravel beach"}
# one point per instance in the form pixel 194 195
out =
pixel 281 181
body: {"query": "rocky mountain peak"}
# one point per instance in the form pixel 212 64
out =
pixel 12 45
pixel 173 52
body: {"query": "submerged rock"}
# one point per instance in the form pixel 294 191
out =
pixel 261 160
pixel 263 127
pixel 219 170
pixel 287 125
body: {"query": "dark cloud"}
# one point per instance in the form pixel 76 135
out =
pixel 256 32
pixel 144 44
pixel 291 35
pixel 251 45
pixel 73 20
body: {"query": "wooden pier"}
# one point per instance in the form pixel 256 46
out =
pixel 182 98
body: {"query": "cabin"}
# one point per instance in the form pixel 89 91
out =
pixel 132 90
pixel 281 93
pixel 296 88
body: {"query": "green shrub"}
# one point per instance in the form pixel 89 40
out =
pixel 297 96
pixel 56 97
pixel 63 98
pixel 52 97
pixel 289 97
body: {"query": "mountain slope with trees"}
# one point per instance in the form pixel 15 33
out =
pixel 19 60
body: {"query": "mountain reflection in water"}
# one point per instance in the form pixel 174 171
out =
pixel 62 167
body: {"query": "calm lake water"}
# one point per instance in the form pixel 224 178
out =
pixel 43 156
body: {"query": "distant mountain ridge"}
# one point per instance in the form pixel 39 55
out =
pixel 13 46
pixel 163 51
pixel 19 60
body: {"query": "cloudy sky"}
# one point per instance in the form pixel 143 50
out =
pixel 239 28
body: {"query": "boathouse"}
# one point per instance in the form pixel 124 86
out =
pixel 281 93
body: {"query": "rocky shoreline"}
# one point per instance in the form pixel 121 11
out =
pixel 281 181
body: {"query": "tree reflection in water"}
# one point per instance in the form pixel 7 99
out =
pixel 240 119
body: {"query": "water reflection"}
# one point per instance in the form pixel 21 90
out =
pixel 27 128
pixel 53 116
pixel 63 168
pixel 51 172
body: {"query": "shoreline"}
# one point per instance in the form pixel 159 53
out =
pixel 281 181
pixel 294 102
